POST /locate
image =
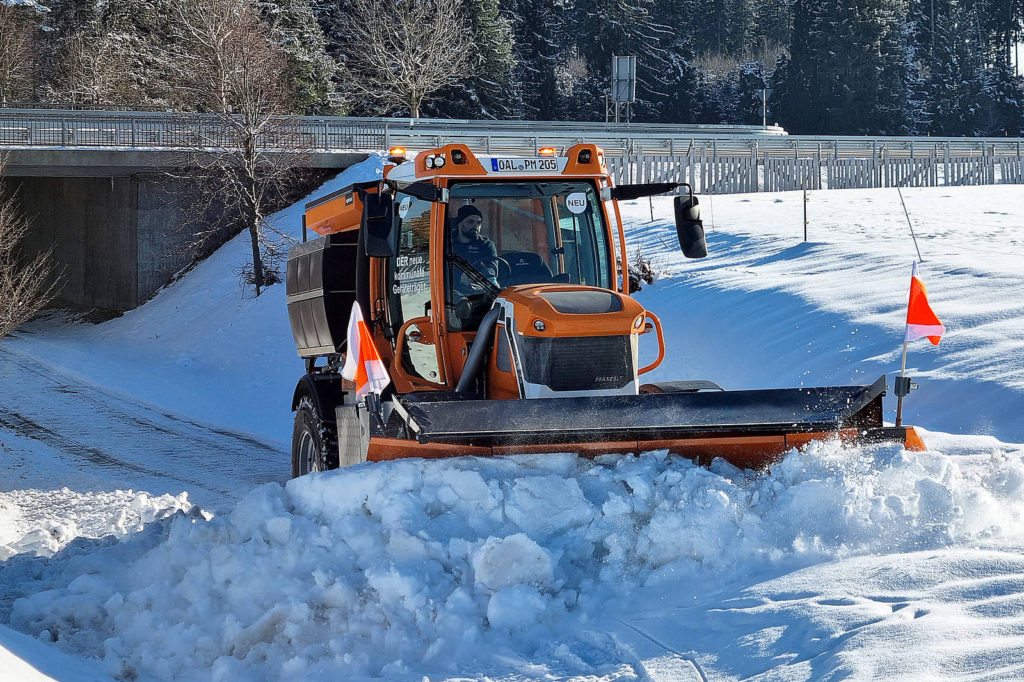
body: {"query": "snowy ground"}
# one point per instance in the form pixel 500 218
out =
pixel 839 562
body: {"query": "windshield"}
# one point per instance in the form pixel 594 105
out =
pixel 509 233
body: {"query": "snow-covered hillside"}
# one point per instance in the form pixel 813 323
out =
pixel 862 562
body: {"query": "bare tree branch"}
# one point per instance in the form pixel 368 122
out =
pixel 17 54
pixel 406 50
pixel 27 282
pixel 244 161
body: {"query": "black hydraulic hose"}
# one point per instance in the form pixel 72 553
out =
pixel 478 353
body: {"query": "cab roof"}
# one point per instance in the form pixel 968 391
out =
pixel 457 161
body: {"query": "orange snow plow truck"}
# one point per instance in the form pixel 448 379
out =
pixel 494 291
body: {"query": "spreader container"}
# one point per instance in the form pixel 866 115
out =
pixel 321 287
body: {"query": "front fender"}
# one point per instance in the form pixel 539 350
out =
pixel 324 389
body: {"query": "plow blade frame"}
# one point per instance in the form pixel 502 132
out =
pixel 645 417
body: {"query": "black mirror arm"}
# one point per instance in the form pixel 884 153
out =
pixel 629 192
pixel 421 190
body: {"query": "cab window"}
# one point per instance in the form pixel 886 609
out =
pixel 408 284
pixel 512 233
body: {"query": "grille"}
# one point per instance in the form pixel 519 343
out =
pixel 577 363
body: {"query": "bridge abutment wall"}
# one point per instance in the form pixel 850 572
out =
pixel 115 239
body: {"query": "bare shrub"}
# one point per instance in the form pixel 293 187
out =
pixel 766 52
pixel 17 54
pixel 721 64
pixel 640 270
pixel 28 282
pixel 717 63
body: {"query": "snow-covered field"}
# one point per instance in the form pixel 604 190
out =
pixel 839 562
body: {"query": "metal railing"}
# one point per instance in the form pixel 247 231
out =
pixel 711 153
pixel 169 130
pixel 738 174
pixel 154 130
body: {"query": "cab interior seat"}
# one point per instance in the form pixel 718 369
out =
pixel 526 268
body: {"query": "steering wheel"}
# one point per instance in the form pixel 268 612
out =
pixel 502 270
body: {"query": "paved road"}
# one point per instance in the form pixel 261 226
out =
pixel 93 434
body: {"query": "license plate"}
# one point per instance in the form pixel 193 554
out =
pixel 510 165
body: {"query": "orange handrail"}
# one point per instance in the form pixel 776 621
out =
pixel 622 250
pixel 661 345
pixel 397 368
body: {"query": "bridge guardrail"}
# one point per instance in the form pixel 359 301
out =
pixel 82 128
pixel 713 158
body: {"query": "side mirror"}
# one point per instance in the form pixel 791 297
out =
pixel 379 233
pixel 690 227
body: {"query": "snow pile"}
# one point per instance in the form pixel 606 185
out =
pixel 868 562
pixel 42 522
pixel 476 565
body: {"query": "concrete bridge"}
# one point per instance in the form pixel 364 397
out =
pixel 96 188
pixel 94 183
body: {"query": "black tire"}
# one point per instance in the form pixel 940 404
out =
pixel 314 443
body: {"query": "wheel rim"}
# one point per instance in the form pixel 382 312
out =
pixel 309 452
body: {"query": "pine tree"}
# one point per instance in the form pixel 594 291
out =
pixel 602 29
pixel 886 53
pixel 681 101
pixel 773 24
pixel 491 91
pixel 955 82
pixel 109 54
pixel 861 84
pixel 750 84
pixel 797 82
pixel 539 29
pixel 1000 22
pixel 311 70
pixel 1003 104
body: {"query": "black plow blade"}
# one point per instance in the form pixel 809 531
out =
pixel 647 417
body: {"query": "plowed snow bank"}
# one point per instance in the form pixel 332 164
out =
pixel 467 564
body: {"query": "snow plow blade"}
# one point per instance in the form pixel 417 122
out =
pixel 749 428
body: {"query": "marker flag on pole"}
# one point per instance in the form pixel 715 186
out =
pixel 921 321
pixel 362 361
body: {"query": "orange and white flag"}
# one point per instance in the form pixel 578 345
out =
pixel 362 361
pixel 921 320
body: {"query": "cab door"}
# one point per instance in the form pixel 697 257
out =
pixel 410 309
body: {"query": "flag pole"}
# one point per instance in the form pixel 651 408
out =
pixel 922 322
pixel 901 389
pixel 903 372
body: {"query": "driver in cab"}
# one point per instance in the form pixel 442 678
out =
pixel 475 248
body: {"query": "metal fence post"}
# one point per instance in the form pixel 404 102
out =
pixel 756 179
pixel 945 171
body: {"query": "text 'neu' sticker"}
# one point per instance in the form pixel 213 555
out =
pixel 576 202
